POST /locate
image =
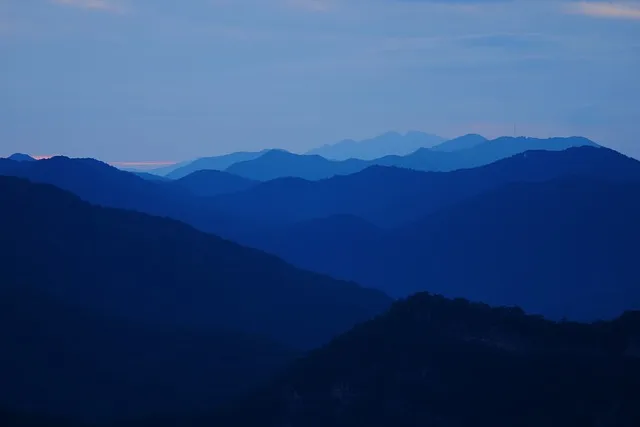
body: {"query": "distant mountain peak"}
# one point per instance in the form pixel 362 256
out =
pixel 463 142
pixel 388 143
pixel 21 157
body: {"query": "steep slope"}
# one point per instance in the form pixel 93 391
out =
pixel 390 143
pixel 209 183
pixel 104 185
pixel 63 361
pixel 390 197
pixel 277 164
pixel 214 163
pixel 432 361
pixel 460 143
pixel 164 272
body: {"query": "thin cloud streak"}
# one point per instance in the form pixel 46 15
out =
pixel 607 10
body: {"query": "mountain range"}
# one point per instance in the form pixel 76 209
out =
pixel 390 143
pixel 281 164
pixel 356 221
pixel 62 244
pixel 227 298
pixel 214 163
pixel 467 151
pixel 460 143
pixel 391 196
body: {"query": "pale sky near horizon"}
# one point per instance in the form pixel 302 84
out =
pixel 169 80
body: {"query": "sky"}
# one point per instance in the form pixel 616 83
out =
pixel 155 81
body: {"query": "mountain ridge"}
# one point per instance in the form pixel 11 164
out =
pixel 188 277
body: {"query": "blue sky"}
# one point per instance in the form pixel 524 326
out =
pixel 168 80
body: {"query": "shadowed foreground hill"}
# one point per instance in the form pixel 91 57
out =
pixel 436 362
pixel 11 418
pixel 165 272
pixel 64 361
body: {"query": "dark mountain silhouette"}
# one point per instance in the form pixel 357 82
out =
pixel 278 163
pixel 161 271
pixel 562 248
pixel 67 362
pixel 389 197
pixel 19 157
pixel 214 163
pixel 433 361
pixel 212 183
pixel 460 143
pixel 104 185
pixel 383 145
pixel 336 241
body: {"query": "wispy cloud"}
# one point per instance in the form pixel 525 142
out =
pixel 626 10
pixel 97 5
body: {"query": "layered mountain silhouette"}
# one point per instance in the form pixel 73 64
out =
pixel 160 271
pixel 214 163
pixel 390 197
pixel 460 143
pixel 562 248
pixel 390 143
pixel 61 361
pixel 433 361
pixel 480 154
pixel 152 177
pixel 101 184
pixel 208 183
pixel 279 164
